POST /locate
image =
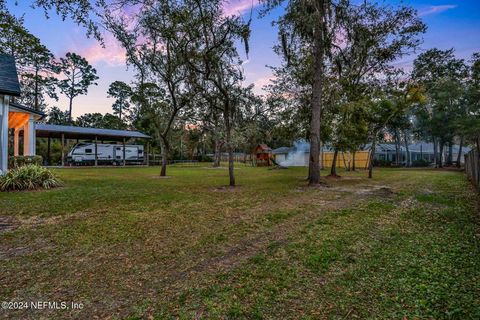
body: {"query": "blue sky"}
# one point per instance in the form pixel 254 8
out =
pixel 451 24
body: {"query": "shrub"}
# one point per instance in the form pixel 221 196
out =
pixel 20 161
pixel 382 163
pixel 28 177
pixel 420 163
pixel 205 158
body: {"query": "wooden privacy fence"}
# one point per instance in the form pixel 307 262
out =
pixel 345 159
pixel 472 167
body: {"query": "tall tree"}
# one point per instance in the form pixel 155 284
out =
pixel 155 48
pixel 209 117
pixel 306 24
pixel 57 116
pixel 98 120
pixel 443 76
pixel 35 62
pixel 156 114
pixel 38 78
pixel 215 61
pixel 82 12
pixel 396 99
pixel 470 122
pixel 122 93
pixel 78 75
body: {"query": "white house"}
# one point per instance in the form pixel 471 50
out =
pixel 15 118
pixel 418 151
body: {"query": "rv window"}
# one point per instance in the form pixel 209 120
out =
pixel 88 150
pixel 118 148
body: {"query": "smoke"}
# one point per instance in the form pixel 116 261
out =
pixel 297 155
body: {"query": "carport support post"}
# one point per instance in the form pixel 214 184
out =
pixel 96 151
pixel 4 103
pixel 16 142
pixel 124 153
pixel 63 149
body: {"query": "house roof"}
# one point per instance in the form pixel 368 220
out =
pixel 418 147
pixel 264 147
pixel 304 147
pixel 72 132
pixel 384 147
pixel 26 109
pixel 9 84
pixel 281 150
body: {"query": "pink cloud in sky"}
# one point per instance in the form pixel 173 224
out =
pixel 112 54
pixel 236 7
pixel 261 82
pixel 436 9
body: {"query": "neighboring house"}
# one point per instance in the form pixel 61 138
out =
pixel 299 156
pixel 417 151
pixel 296 156
pixel 14 117
pixel 280 154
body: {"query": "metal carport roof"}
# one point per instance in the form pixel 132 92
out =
pixel 72 132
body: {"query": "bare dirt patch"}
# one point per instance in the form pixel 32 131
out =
pixel 13 252
pixel 227 188
pixel 8 223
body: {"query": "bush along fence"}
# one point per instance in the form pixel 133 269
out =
pixel 472 167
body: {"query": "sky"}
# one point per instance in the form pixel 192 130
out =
pixel 451 24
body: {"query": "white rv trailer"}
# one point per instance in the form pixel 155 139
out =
pixel 84 154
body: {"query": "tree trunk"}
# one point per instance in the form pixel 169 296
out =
pixel 217 155
pixel 407 159
pixel 165 148
pixel 397 148
pixel 231 173
pixel 435 152
pixel 478 161
pixel 333 170
pixel 440 162
pixel 317 87
pixel 450 153
pixel 71 98
pixel 347 168
pixel 228 129
pixel 459 156
pixel 36 90
pixel 70 111
pixel 321 156
pixel 372 155
pixel 353 161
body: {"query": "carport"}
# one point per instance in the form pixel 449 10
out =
pixel 65 133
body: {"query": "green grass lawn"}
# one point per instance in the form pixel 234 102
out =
pixel 128 244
